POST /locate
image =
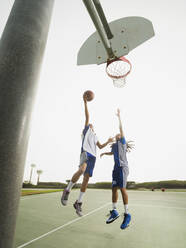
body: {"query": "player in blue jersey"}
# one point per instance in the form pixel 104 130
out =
pixel 119 175
pixel 87 161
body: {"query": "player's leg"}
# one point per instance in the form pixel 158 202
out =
pixel 77 175
pixel 123 183
pixel 125 199
pixel 114 213
pixel 84 184
pixel 87 174
pixel 78 203
pixel 127 216
pixel 114 197
pixel 75 178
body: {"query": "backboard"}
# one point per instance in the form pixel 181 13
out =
pixel 128 33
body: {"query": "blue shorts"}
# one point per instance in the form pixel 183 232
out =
pixel 91 160
pixel 119 177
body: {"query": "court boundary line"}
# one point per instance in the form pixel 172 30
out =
pixel 34 196
pixel 26 197
pixel 157 206
pixel 62 226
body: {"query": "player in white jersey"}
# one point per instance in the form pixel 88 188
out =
pixel 119 175
pixel 87 161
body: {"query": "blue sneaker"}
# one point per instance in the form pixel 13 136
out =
pixel 126 221
pixel 113 216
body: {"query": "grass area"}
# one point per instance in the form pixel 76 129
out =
pixel 25 192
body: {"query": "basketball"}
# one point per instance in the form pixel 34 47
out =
pixel 89 95
pixel 163 189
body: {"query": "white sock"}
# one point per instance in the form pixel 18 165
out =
pixel 126 208
pixel 70 185
pixel 114 205
pixel 81 196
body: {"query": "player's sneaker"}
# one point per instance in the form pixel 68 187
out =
pixel 64 197
pixel 113 216
pixel 126 221
pixel 77 205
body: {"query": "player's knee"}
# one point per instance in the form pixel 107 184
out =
pixel 124 191
pixel 82 168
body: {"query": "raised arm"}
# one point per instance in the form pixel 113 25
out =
pixel 101 146
pixel 86 111
pixel 120 124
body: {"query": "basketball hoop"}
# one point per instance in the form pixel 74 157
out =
pixel 118 69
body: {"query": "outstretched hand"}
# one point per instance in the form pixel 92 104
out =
pixel 110 140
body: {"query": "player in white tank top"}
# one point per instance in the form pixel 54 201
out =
pixel 87 161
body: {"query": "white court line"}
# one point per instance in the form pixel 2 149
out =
pixel 26 197
pixel 154 206
pixel 60 227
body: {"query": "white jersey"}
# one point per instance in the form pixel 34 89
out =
pixel 89 141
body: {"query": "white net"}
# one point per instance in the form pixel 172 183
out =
pixel 119 83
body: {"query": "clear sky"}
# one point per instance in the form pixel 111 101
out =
pixel 152 103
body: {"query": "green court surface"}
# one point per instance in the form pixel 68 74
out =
pixel 158 221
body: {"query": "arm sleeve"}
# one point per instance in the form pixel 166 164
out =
pixel 123 141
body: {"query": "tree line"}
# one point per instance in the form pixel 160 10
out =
pixel 170 184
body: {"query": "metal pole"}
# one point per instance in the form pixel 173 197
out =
pixel 103 19
pixel 95 18
pixel 21 52
pixel 31 175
